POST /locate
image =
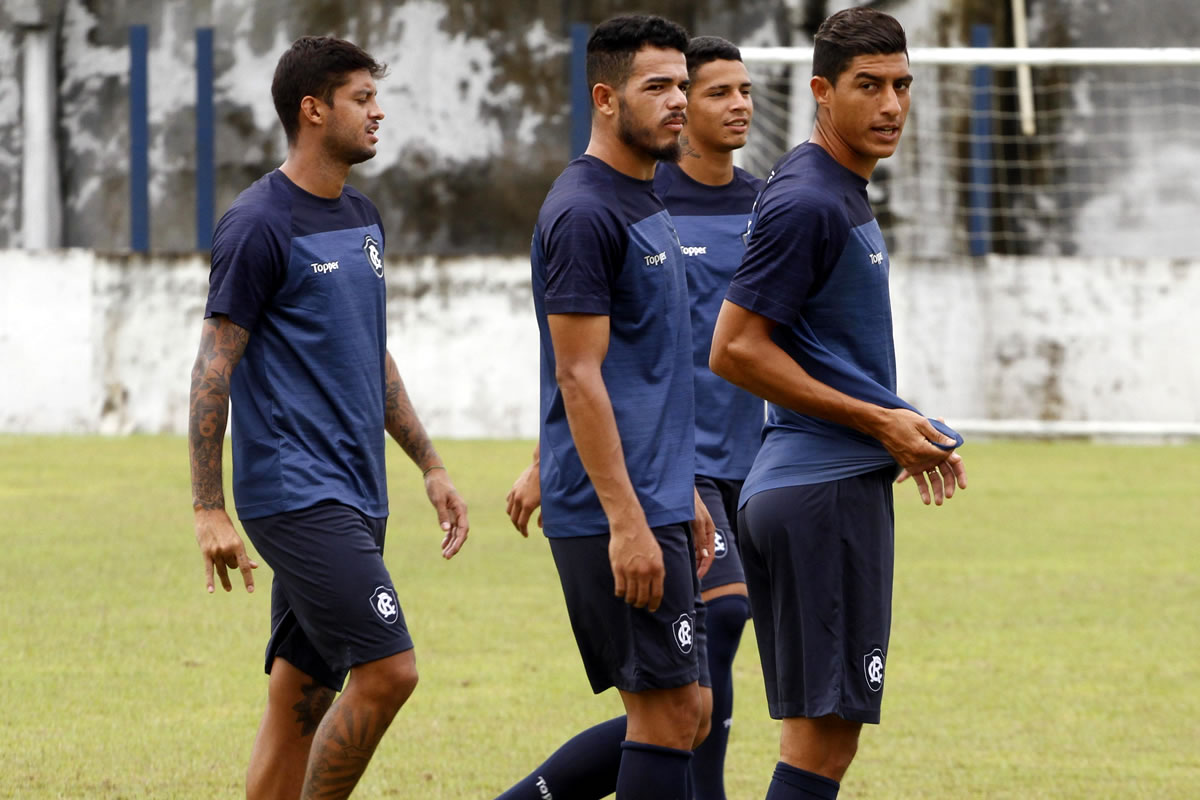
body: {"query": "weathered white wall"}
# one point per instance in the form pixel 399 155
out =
pixel 104 343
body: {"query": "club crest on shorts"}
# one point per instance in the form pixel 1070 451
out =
pixel 720 548
pixel 685 631
pixel 385 605
pixel 873 669
pixel 371 248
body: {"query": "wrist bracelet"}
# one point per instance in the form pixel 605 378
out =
pixel 431 469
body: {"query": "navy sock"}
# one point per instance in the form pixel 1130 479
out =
pixel 585 768
pixel 651 772
pixel 792 783
pixel 726 619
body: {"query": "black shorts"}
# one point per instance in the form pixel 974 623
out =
pixel 720 496
pixel 628 647
pixel 333 605
pixel 818 565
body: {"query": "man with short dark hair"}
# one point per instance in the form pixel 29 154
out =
pixel 294 334
pixel 806 325
pixel 710 203
pixel 616 438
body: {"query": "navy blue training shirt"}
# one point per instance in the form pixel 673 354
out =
pixel 816 264
pixel 605 245
pixel 711 222
pixel 304 275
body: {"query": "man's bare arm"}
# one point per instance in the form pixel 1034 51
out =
pixel 402 424
pixel 222 344
pixel 744 354
pixel 580 344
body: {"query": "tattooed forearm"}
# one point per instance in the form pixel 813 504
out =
pixel 685 147
pixel 221 346
pixel 311 710
pixel 402 423
pixel 341 750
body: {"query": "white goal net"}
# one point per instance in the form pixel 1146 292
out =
pixel 1092 152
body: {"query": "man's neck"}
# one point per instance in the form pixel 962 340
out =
pixel 705 166
pixel 621 157
pixel 315 173
pixel 827 139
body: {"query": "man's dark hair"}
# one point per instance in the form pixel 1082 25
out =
pixel 614 43
pixel 704 49
pixel 315 66
pixel 855 32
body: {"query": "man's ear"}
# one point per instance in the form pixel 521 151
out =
pixel 821 89
pixel 312 110
pixel 604 99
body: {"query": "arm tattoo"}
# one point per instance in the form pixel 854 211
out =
pixel 221 346
pixel 311 710
pixel 685 147
pixel 402 423
pixel 341 750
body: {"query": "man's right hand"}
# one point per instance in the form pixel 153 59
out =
pixel 524 498
pixel 909 438
pixel 637 565
pixel 222 548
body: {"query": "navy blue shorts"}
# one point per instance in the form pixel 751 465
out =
pixel 333 605
pixel 818 562
pixel 720 496
pixel 628 647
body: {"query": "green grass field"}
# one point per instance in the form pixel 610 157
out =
pixel 1046 641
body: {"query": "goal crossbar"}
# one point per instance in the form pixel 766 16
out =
pixel 1006 56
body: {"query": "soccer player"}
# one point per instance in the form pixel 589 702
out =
pixel 807 325
pixel 709 201
pixel 616 433
pixel 294 334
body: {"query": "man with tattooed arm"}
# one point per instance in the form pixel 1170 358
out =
pixel 294 335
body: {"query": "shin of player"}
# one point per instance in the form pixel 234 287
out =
pixel 816 517
pixel 298 258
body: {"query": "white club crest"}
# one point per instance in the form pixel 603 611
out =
pixel 374 255
pixel 684 632
pixel 873 669
pixel 383 602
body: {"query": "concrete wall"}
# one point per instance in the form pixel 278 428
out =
pixel 105 343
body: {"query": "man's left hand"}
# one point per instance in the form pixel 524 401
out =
pixel 451 510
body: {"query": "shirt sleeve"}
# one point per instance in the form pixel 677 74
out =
pixel 794 244
pixel 583 250
pixel 248 267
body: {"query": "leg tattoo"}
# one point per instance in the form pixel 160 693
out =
pixel 311 710
pixel 344 744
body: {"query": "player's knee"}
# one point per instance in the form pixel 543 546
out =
pixel 388 682
pixel 685 712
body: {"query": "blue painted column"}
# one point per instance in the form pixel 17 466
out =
pixel 139 139
pixel 581 98
pixel 205 133
pixel 979 195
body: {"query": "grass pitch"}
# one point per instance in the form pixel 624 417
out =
pixel 1046 641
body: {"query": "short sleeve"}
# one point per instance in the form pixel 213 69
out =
pixel 248 267
pixel 583 251
pixel 794 244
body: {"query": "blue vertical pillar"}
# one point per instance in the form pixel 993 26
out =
pixel 581 98
pixel 139 139
pixel 979 196
pixel 205 161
